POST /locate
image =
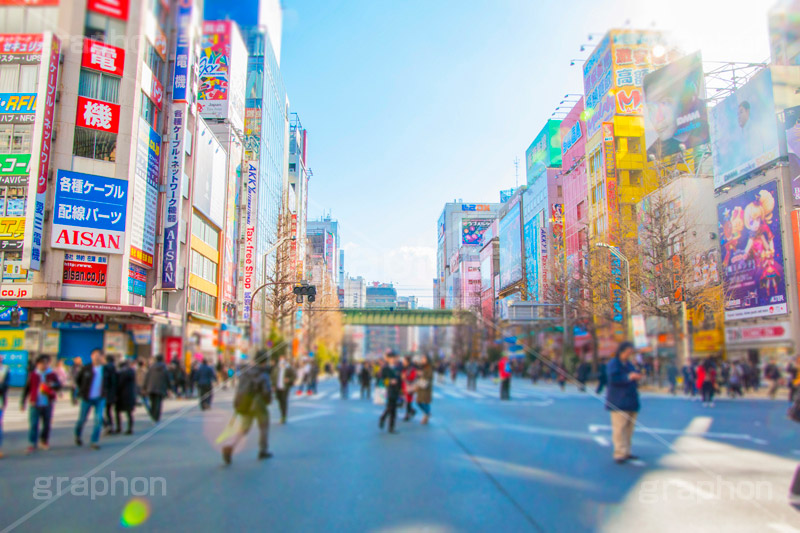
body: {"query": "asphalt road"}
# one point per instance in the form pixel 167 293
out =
pixel 541 462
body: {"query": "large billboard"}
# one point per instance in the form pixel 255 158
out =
pixel 675 107
pixel 472 230
pixel 531 232
pixel 223 72
pixel 544 152
pixel 510 247
pixel 145 194
pixel 752 254
pixel 89 213
pixel 634 57
pixel 744 130
pixel 210 176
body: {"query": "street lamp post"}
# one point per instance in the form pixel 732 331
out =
pixel 616 253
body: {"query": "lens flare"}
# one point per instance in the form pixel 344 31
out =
pixel 135 513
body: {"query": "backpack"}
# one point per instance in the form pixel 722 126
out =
pixel 250 388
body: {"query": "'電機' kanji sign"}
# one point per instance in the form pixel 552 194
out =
pixel 89 213
pixel 103 57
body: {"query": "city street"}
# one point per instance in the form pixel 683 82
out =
pixel 541 462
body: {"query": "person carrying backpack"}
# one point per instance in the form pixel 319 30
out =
pixel 253 395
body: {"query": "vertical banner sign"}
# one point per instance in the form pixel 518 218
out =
pixel 180 78
pixel 610 155
pixel 173 199
pixel 250 237
pixel 40 154
pixel 145 197
pixel 796 237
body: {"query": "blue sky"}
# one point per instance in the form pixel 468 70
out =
pixel 412 104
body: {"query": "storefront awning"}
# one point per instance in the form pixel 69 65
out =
pixel 136 312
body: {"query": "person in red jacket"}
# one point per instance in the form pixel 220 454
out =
pixel 504 373
pixel 706 382
pixel 40 389
pixel 409 377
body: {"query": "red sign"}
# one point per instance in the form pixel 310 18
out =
pixel 88 318
pixel 103 57
pixel 157 93
pixel 113 8
pixel 21 43
pixel 762 332
pixel 86 274
pixel 97 115
pixel 172 348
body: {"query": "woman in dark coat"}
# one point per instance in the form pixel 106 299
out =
pixel 424 387
pixel 126 395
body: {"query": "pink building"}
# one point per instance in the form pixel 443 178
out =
pixel 573 177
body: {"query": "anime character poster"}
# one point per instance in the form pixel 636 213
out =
pixel 752 254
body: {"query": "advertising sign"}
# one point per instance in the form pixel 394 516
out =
pixel 183 44
pixel 172 348
pixel 97 115
pixel 639 331
pixel 633 60
pixel 210 175
pixel 15 164
pixel 231 222
pixel 103 57
pixel 791 123
pixel 752 254
pixel 472 230
pixel 215 59
pixel 744 130
pixel 172 200
pixel 21 48
pixel 675 107
pixel 784 28
pixel 86 273
pixel 510 247
pixel 598 73
pixel 610 157
pixel 17 104
pixel 544 152
pixel 557 225
pixel 572 136
pixel 778 331
pixel 40 153
pixel 89 213
pixel 12 233
pixel 145 195
pixel 137 280
pixel 531 231
pixel 249 255
pixel 112 8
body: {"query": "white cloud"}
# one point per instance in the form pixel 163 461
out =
pixel 410 268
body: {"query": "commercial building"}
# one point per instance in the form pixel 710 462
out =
pixel 355 292
pixel 379 339
pixel 460 233
pixel 574 185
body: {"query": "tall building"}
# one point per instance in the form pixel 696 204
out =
pixel 379 339
pixel 573 181
pixel 355 292
pixel 460 233
pixel 325 232
pixel 616 158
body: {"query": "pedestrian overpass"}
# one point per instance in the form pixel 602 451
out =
pixel 406 317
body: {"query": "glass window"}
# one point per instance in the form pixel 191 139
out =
pixel 635 178
pixel 9 78
pixel 21 139
pixel 154 60
pixel 99 86
pixel 95 144
pixel 28 78
pixel 105 29
pixel 149 112
pixel 15 201
pixel 6 132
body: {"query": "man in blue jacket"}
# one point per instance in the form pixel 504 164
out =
pixel 622 400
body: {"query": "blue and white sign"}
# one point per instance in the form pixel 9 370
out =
pixel 89 213
pixel 5 314
pixel 183 43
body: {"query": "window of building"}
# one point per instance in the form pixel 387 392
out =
pixel 203 267
pixel 99 86
pixel 15 138
pixel 203 303
pixel 581 210
pixel 559 191
pixel 635 178
pixel 20 19
pixel 95 144
pixel 149 112
pixel 105 29
pixel 19 78
pixel 12 201
pixel 205 231
pixel 634 145
pixel 154 60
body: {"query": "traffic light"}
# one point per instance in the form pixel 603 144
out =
pixel 309 291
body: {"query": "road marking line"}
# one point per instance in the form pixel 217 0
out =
pixel 783 528
pixel 602 441
pixel 693 488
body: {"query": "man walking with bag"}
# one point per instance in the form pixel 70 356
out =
pixel 253 395
pixel 622 400
pixel 391 378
